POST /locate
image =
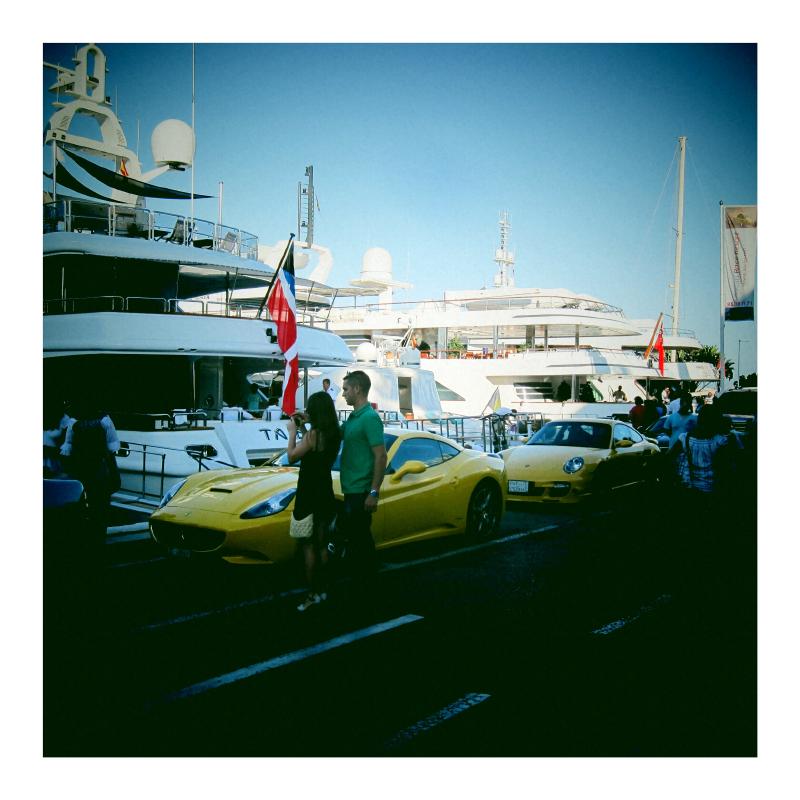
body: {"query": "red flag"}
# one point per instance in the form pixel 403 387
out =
pixel 283 311
pixel 123 169
pixel 659 345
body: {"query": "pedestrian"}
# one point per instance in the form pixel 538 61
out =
pixel 698 450
pixel 699 458
pixel 90 445
pixel 253 401
pixel 326 387
pixel 680 421
pixel 56 421
pixel 363 464
pixel 651 414
pixel 665 395
pixel 637 413
pixel 675 403
pixel 316 452
pixel 620 396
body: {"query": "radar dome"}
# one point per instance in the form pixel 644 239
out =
pixel 172 142
pixel 376 264
pixel 366 351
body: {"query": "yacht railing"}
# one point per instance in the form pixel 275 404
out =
pixel 153 464
pixel 133 222
pixel 516 302
pixel 159 305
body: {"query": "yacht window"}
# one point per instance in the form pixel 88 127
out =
pixel 447 394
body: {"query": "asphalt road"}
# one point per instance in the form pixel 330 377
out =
pixel 573 633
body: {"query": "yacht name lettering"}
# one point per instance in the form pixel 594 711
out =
pixel 277 433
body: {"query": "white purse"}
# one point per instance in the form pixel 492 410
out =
pixel 301 528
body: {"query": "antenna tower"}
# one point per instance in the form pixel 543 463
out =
pixel 305 206
pixel 503 257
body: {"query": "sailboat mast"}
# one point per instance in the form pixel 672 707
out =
pixel 676 291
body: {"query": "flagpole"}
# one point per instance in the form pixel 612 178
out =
pixel 275 276
pixel 649 347
pixel 721 365
pixel 194 142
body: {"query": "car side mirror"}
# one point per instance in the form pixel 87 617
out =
pixel 622 443
pixel 410 467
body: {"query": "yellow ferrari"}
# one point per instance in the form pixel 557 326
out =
pixel 433 487
pixel 569 460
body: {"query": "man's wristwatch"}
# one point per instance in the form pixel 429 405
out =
pixel 373 493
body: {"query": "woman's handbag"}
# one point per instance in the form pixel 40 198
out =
pixel 301 528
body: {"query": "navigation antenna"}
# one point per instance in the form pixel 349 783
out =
pixel 305 206
pixel 503 257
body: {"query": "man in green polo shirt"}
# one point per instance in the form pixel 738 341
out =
pixel 363 464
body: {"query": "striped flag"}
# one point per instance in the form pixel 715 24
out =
pixel 123 169
pixel 283 311
pixel 659 345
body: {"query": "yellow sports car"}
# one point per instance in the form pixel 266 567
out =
pixel 433 487
pixel 569 460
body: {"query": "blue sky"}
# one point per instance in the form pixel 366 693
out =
pixel 416 148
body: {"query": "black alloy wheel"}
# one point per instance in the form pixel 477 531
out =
pixel 483 513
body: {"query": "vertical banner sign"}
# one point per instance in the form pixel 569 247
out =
pixel 739 233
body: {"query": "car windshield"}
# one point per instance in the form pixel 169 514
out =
pixel 573 433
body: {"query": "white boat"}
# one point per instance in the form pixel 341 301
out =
pixel 125 324
pixel 519 348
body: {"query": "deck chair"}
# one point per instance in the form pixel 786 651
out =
pixel 181 233
pixel 228 244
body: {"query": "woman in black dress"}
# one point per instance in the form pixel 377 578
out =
pixel 316 451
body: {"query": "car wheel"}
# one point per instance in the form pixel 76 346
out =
pixel 483 512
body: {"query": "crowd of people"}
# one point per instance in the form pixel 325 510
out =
pixel 709 466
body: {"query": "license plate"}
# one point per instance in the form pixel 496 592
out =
pixel 179 552
pixel 518 487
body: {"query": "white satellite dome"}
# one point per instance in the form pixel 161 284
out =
pixel 376 265
pixel 172 143
pixel 366 351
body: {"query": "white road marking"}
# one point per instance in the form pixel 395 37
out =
pixel 287 658
pixel 445 714
pixel 620 623
pixel 482 546
pixel 223 610
pixel 144 527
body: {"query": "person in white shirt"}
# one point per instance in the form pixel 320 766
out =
pixel 326 387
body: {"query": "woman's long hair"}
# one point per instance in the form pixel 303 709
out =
pixel 322 415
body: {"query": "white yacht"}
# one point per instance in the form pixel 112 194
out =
pixel 543 351
pixel 125 319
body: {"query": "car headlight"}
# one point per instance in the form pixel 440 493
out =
pixel 272 505
pixel 171 492
pixel 574 465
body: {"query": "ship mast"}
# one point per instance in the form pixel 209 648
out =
pixel 676 290
pixel 503 257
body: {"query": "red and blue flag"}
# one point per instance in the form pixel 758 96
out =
pixel 283 310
